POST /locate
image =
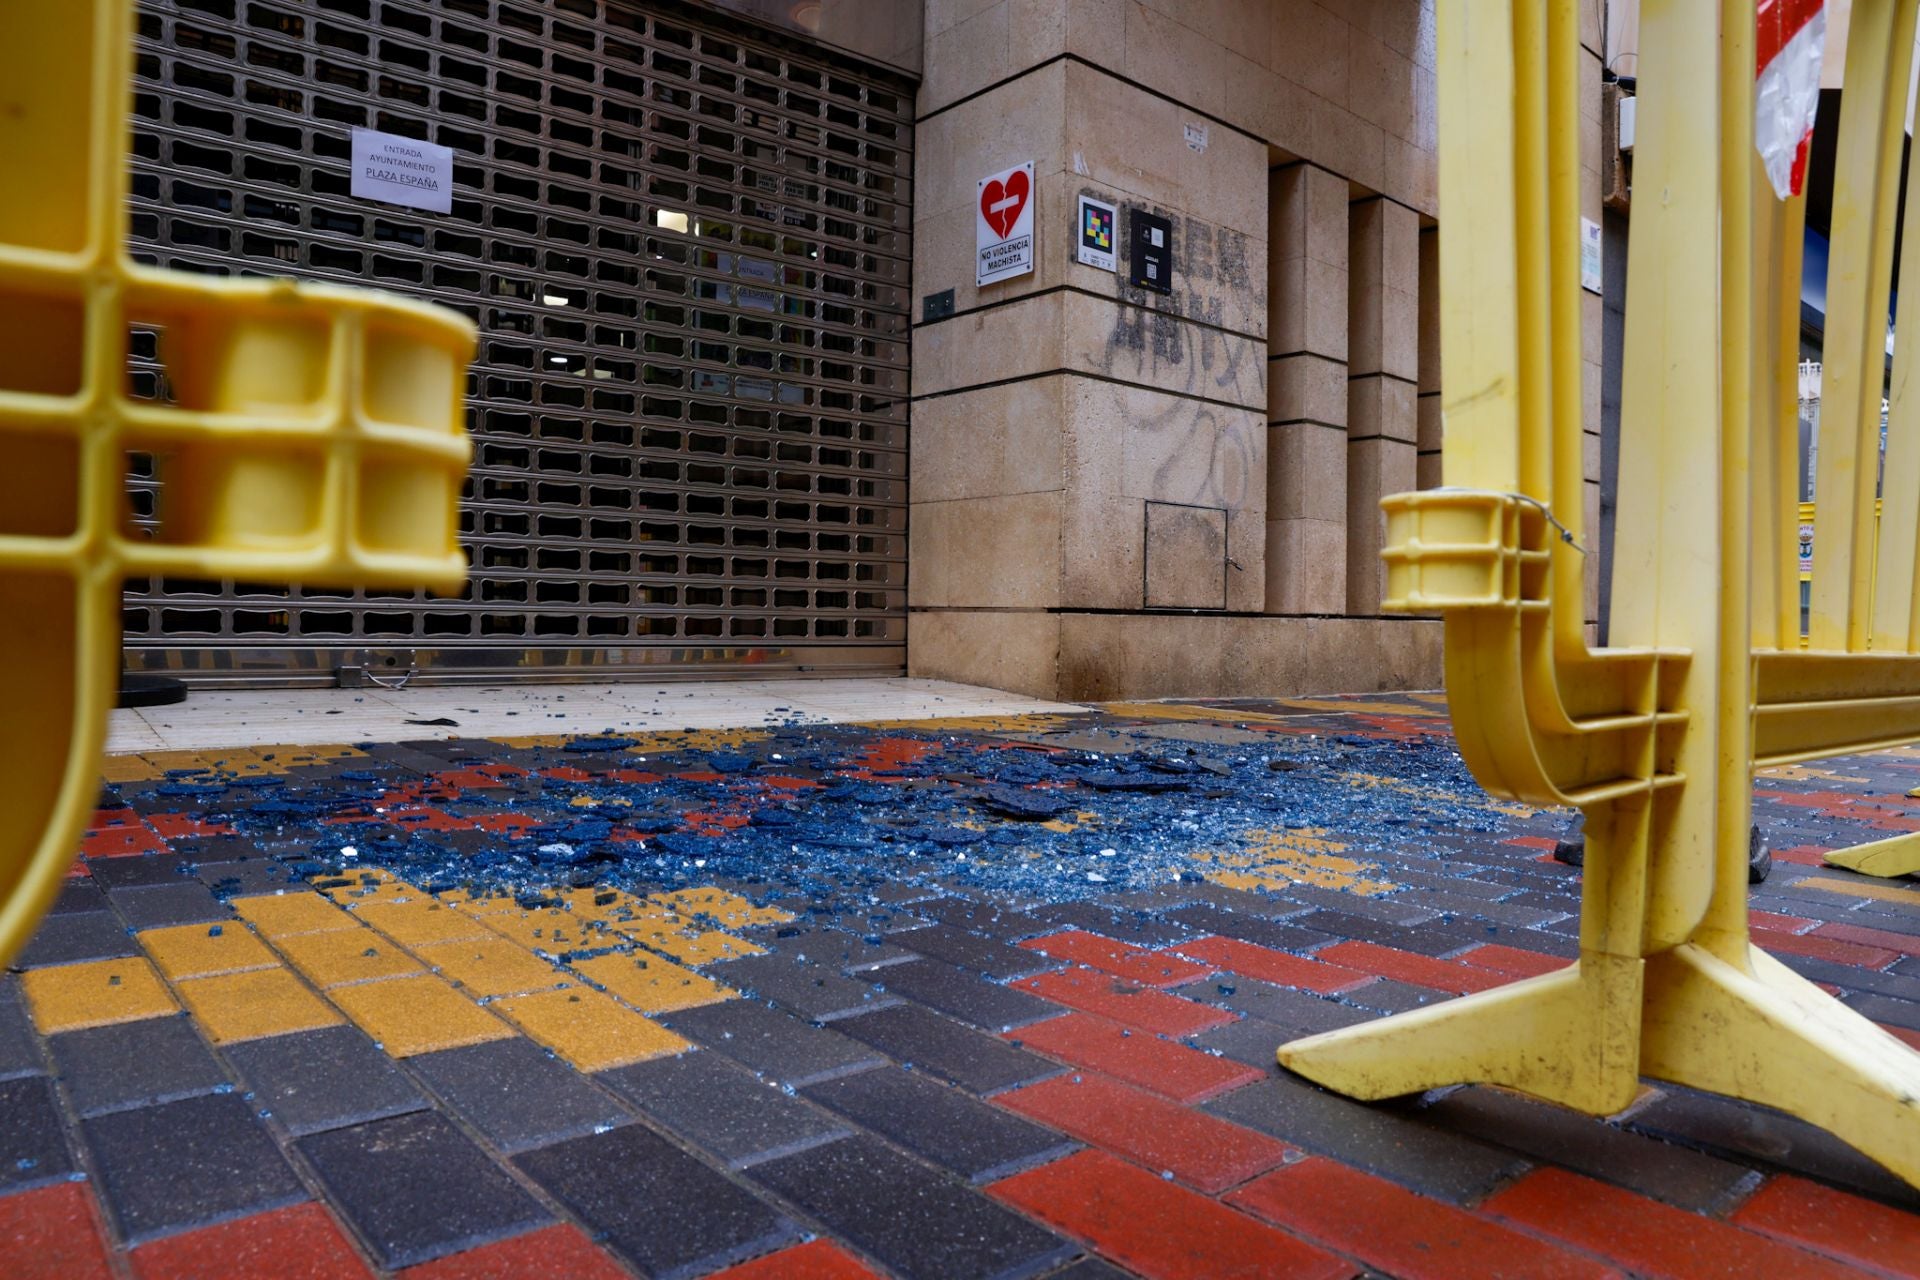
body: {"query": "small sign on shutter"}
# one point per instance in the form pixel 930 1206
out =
pixel 404 171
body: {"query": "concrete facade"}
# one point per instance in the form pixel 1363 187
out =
pixel 1121 493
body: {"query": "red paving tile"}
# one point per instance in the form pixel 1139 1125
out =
pixel 1405 966
pixel 1533 842
pixel 1160 1230
pixel 1268 965
pixel 171 826
pixel 1824 948
pixel 1512 960
pixel 549 1252
pixel 1402 1233
pixel 1169 1069
pixel 52 1234
pixel 1648 1237
pixel 120 842
pixel 1147 968
pixel 300 1243
pixel 1774 920
pixel 816 1260
pixel 1906 1035
pixel 1834 1222
pixel 1885 938
pixel 1092 991
pixel 1200 1150
pixel 1807 855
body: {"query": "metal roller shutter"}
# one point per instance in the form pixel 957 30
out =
pixel 687 248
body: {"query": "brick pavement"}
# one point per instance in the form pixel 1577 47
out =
pixel 996 998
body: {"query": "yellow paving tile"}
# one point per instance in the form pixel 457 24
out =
pixel 694 740
pixel 589 1028
pixel 1187 711
pixel 129 769
pixel 492 966
pixel 689 945
pixel 1884 892
pixel 652 984
pixel 420 921
pixel 416 1015
pixel 549 929
pixel 729 909
pixel 196 950
pixel 607 904
pixel 340 956
pixel 1021 722
pixel 280 915
pixel 246 1006
pixel 364 884
pixel 95 993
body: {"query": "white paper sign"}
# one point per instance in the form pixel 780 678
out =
pixel 1590 279
pixel 1003 225
pixel 1196 135
pixel 404 171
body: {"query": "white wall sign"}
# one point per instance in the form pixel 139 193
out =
pixel 1590 278
pixel 404 171
pixel 1098 232
pixel 1003 225
pixel 1196 136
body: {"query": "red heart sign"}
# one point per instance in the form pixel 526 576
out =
pixel 1001 204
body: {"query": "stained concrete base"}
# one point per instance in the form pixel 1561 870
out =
pixel 1094 657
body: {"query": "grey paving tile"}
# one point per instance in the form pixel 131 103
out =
pixel 324 1079
pixel 657 1206
pixel 952 1129
pixel 1299 1012
pixel 157 906
pixel 515 1094
pixel 233 878
pixel 1249 1040
pixel 988 919
pixel 926 1041
pixel 1390 996
pixel 185 1164
pixel 1382 910
pixel 135 1064
pixel 967 996
pixel 924 1224
pixel 1386 1140
pixel 413 1187
pixel 1276 934
pixel 721 1108
pixel 33 1142
pixel 78 895
pixel 141 870
pixel 1555 1135
pixel 1425 940
pixel 1750 1134
pixel 772 1042
pixel 1134 928
pixel 812 990
pixel 82 935
pixel 847 952
pixel 19 1055
pixel 981 955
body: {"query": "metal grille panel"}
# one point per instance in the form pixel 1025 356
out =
pixel 687 250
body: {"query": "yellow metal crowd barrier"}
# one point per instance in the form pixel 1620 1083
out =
pixel 314 435
pixel 1656 737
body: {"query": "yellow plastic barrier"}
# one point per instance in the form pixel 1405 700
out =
pixel 1655 739
pixel 315 434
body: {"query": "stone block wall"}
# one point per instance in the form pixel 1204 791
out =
pixel 1121 493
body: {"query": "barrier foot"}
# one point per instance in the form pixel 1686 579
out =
pixel 1765 1034
pixel 1896 856
pixel 1571 1036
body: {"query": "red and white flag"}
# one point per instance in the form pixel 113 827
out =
pixel 1790 38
